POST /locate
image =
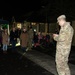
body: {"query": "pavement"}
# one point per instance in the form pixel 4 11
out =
pixel 46 60
pixel 38 61
pixel 13 63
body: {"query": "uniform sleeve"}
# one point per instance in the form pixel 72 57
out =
pixel 66 35
pixel 56 38
pixel 61 37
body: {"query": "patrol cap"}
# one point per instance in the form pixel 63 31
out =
pixel 61 17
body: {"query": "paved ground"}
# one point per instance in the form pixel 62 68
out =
pixel 14 64
pixel 46 59
pixel 39 61
pixel 52 50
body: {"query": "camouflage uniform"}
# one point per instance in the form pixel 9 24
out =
pixel 30 39
pixel 63 48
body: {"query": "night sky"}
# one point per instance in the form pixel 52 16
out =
pixel 19 8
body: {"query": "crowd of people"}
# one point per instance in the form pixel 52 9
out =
pixel 27 37
pixel 41 39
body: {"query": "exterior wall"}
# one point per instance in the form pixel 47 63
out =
pixel 37 27
pixel 52 27
pixel 26 24
pixel 46 27
pixel 42 27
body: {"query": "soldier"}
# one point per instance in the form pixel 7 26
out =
pixel 63 47
pixel 30 39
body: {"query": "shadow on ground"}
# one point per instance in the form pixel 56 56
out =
pixel 12 64
pixel 51 50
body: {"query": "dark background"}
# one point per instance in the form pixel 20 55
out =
pixel 37 10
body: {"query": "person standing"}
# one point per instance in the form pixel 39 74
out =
pixel 30 39
pixel 1 31
pixel 5 40
pixel 13 38
pixel 63 47
pixel 24 39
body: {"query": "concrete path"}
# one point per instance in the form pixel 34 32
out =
pixel 45 61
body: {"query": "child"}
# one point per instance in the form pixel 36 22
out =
pixel 5 40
